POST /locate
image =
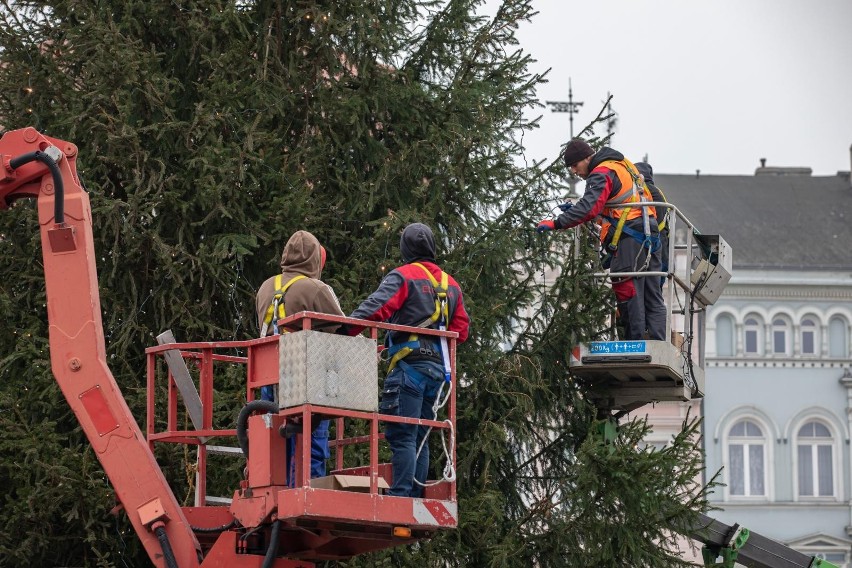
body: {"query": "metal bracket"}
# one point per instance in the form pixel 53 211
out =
pixel 729 553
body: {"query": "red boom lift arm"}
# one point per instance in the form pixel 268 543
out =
pixel 268 521
pixel 34 165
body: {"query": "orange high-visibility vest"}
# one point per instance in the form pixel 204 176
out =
pixel 633 190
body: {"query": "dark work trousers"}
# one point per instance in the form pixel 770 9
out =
pixel 319 444
pixel 639 298
pixel 410 394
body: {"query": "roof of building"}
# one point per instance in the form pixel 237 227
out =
pixel 782 221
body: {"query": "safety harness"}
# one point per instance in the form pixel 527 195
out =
pixel 635 195
pixel 438 318
pixel 276 310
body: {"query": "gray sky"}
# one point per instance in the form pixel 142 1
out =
pixel 713 85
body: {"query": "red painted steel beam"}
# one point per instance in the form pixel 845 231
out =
pixel 77 347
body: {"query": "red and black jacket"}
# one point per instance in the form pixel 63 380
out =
pixel 406 297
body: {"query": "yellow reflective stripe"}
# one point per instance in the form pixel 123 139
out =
pixel 279 295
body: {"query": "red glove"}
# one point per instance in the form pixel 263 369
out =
pixel 546 225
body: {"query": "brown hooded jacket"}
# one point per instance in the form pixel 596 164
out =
pixel 302 255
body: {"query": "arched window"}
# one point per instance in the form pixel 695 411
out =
pixel 724 336
pixel 837 339
pixel 746 460
pixel 780 336
pixel 753 331
pixel 810 336
pixel 815 453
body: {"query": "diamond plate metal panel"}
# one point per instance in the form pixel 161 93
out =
pixel 328 370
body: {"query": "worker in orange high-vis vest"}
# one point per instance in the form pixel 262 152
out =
pixel 298 288
pixel 630 238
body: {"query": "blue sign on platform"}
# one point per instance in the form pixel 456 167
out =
pixel 617 347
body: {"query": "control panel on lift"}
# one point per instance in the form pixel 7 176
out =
pixel 625 375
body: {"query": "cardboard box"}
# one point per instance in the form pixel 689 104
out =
pixel 677 339
pixel 327 370
pixel 359 483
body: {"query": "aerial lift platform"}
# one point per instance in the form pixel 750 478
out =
pixel 625 375
pixel 267 522
pixel 317 374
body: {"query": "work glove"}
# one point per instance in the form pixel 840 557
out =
pixel 343 330
pixel 546 225
pixel 566 206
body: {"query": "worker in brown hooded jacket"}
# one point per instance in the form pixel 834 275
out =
pixel 298 285
pixel 298 289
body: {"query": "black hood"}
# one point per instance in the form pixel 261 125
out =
pixel 604 154
pixel 646 170
pixel 417 243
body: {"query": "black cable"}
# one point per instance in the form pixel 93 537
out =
pixel 168 554
pixel 692 383
pixel 59 188
pixel 223 528
pixel 272 550
pixel 242 420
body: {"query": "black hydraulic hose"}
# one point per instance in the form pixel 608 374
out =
pixel 272 549
pixel 242 420
pixel 59 188
pixel 168 553
pixel 222 528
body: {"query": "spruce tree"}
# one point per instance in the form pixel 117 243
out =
pixel 211 131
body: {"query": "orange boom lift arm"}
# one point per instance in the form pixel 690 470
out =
pixel 34 165
pixel 267 523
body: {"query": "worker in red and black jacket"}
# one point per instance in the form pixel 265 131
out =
pixel 407 296
pixel 630 235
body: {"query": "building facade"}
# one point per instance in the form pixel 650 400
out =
pixel 778 403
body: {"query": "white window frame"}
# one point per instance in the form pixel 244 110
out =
pixel 815 442
pixel 844 340
pixel 757 329
pixel 780 324
pixel 731 342
pixel 810 324
pixel 746 442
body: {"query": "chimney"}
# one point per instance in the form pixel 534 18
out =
pixel 763 170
